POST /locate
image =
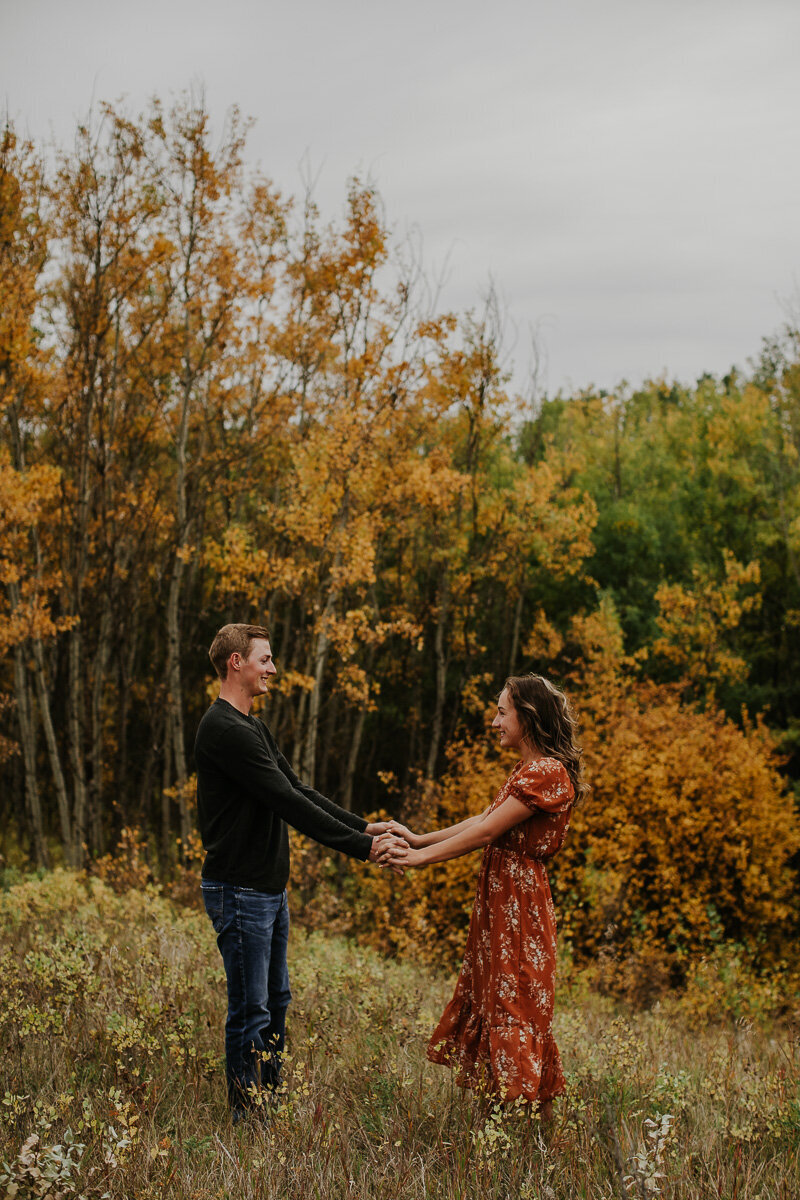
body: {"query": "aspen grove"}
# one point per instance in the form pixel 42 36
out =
pixel 217 405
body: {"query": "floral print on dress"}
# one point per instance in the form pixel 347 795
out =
pixel 497 1031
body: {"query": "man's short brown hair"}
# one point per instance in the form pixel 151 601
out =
pixel 234 639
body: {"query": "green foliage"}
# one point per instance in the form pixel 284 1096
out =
pixel 686 480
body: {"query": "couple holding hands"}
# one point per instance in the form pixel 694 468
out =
pixel 497 1029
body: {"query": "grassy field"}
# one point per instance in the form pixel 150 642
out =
pixel 112 1013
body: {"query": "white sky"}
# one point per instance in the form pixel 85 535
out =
pixel 628 172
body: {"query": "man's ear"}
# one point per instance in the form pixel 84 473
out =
pixel 235 660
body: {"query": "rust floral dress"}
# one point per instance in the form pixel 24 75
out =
pixel 497 1031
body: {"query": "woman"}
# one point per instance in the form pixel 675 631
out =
pixel 497 1029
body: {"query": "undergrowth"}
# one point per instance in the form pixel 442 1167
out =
pixel 112 1077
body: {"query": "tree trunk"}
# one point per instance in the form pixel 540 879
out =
pixel 78 562
pixel 515 632
pixel 54 755
pixel 96 751
pixel 175 740
pixel 157 744
pixel 167 842
pixel 321 648
pixel 27 730
pixel 352 758
pixel 440 660
pixel 24 701
pixel 329 742
pixel 355 741
pixel 299 730
pixel 75 738
pixel 176 743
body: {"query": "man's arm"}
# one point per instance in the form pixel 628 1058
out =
pixel 373 829
pixel 353 820
pixel 242 755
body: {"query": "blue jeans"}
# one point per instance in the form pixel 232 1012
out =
pixel 252 931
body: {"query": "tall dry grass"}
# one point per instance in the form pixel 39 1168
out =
pixel 111 1034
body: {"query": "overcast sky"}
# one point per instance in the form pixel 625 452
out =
pixel 627 172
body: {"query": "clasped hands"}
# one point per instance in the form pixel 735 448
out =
pixel 390 844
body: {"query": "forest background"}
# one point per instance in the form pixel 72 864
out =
pixel 216 406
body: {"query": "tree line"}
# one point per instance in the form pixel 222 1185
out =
pixel 217 406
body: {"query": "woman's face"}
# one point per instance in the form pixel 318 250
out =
pixel 512 735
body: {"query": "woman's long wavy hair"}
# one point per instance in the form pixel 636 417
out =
pixel 549 723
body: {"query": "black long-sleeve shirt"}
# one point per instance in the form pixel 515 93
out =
pixel 247 794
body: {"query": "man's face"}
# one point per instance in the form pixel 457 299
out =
pixel 256 669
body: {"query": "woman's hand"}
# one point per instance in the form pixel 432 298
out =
pixel 413 858
pixel 402 831
pixel 389 851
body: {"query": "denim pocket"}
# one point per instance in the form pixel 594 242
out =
pixel 215 906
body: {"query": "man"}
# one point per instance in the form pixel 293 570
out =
pixel 247 795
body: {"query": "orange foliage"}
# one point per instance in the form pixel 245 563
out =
pixel 132 866
pixel 27 499
pixel 127 868
pixel 683 845
pixel 685 841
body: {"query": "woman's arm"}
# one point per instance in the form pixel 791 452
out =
pixel 436 835
pixel 468 835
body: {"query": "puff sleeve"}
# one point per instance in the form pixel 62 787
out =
pixel 544 786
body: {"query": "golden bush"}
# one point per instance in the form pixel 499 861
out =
pixel 684 843
pixel 128 868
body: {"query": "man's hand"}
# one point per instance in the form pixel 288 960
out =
pixel 376 828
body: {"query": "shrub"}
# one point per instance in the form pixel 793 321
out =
pixel 684 843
